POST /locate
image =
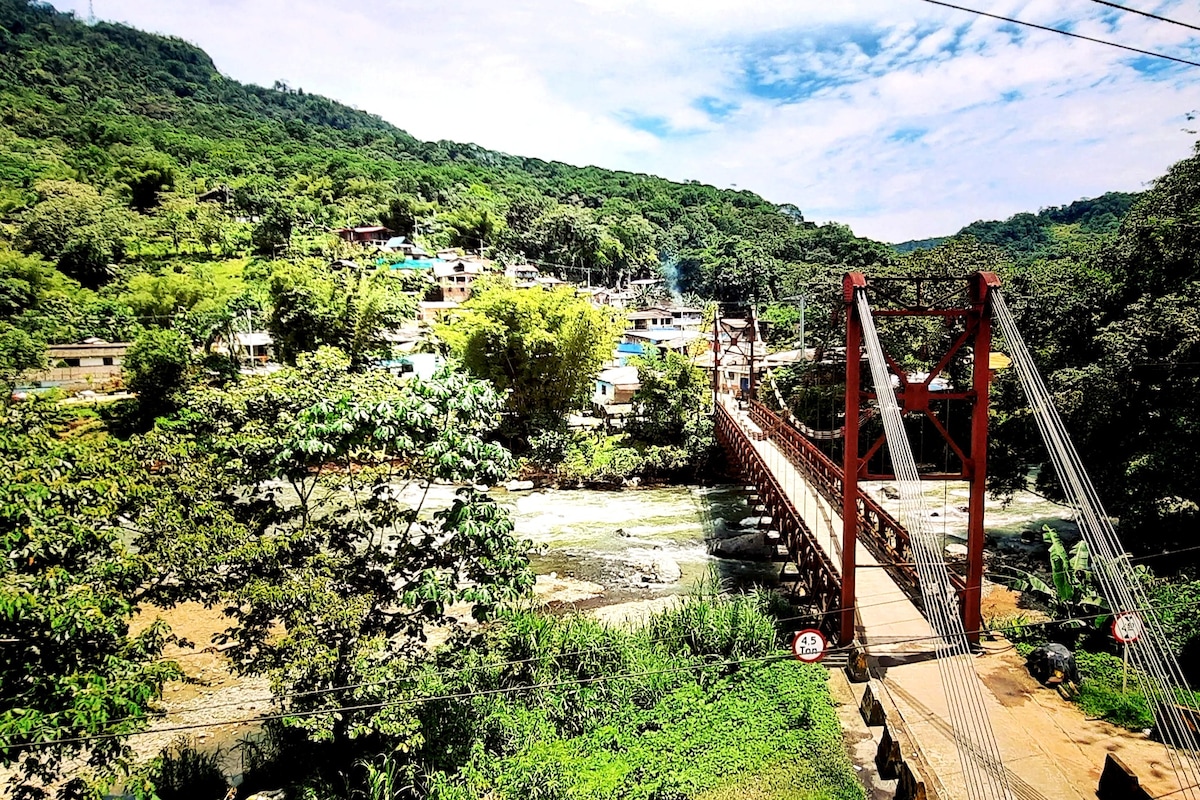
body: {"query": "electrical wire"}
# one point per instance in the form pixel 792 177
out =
pixel 1064 33
pixel 1147 14
pixel 550 684
pixel 404 701
pixel 1120 584
pixel 983 769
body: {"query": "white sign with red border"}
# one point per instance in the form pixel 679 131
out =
pixel 809 645
pixel 1127 627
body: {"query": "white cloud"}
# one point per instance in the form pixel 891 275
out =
pixel 815 92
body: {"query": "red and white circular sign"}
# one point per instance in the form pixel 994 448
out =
pixel 1127 627
pixel 809 645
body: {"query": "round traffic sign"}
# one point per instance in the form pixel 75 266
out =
pixel 809 645
pixel 1127 627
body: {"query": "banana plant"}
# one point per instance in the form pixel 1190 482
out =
pixel 1071 593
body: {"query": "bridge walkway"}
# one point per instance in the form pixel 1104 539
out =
pixel 1050 749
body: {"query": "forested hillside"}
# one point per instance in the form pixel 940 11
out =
pixel 1027 234
pixel 149 123
pixel 146 198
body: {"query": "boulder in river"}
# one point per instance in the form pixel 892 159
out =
pixel 519 486
pixel 746 546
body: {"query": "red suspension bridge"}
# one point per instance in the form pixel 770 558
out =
pixel 879 584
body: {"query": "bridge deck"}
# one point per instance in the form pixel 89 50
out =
pixel 1050 749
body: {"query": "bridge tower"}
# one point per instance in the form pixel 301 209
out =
pixel 962 306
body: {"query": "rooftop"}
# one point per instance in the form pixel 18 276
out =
pixel 619 376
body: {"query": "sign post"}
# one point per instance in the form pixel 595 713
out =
pixel 809 645
pixel 1126 627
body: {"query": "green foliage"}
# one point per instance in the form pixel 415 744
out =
pixel 1029 234
pixel 540 348
pixel 1175 602
pixel 1071 592
pixel 18 352
pixel 75 226
pixel 653 713
pixel 156 368
pixel 331 570
pixel 1100 691
pixel 70 583
pixel 611 459
pixel 672 403
pixel 1114 327
pixel 404 213
pixel 312 306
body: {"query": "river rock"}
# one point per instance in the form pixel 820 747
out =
pixel 746 546
pixel 656 568
pixel 891 492
pixel 519 486
pixel 956 550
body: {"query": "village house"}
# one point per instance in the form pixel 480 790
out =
pixel 650 319
pixel 665 339
pixel 616 386
pixel 366 235
pixel 457 277
pixel 92 362
pixel 687 318
pixel 601 296
pixel 251 348
pixel 399 244
pixel 550 282
pixel 523 276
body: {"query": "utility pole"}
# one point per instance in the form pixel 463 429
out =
pixel 716 352
pixel 753 337
pixel 803 307
pixel 752 384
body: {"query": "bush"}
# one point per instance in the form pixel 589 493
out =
pixel 156 367
pixel 181 772
pixel 1100 694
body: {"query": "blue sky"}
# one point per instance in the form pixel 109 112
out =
pixel 897 117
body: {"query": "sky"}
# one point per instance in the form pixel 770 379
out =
pixel 900 118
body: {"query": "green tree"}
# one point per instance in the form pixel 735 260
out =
pixel 82 231
pixel 19 352
pixel 336 582
pixel 403 213
pixel 272 235
pixel 312 306
pixel 70 668
pixel 542 349
pixel 473 227
pixel 144 180
pixel 156 367
pixel 672 402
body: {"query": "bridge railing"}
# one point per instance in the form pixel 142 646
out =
pixel 821 579
pixel 882 532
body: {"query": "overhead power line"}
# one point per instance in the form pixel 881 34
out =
pixel 1065 33
pixel 1147 14
pixel 506 690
